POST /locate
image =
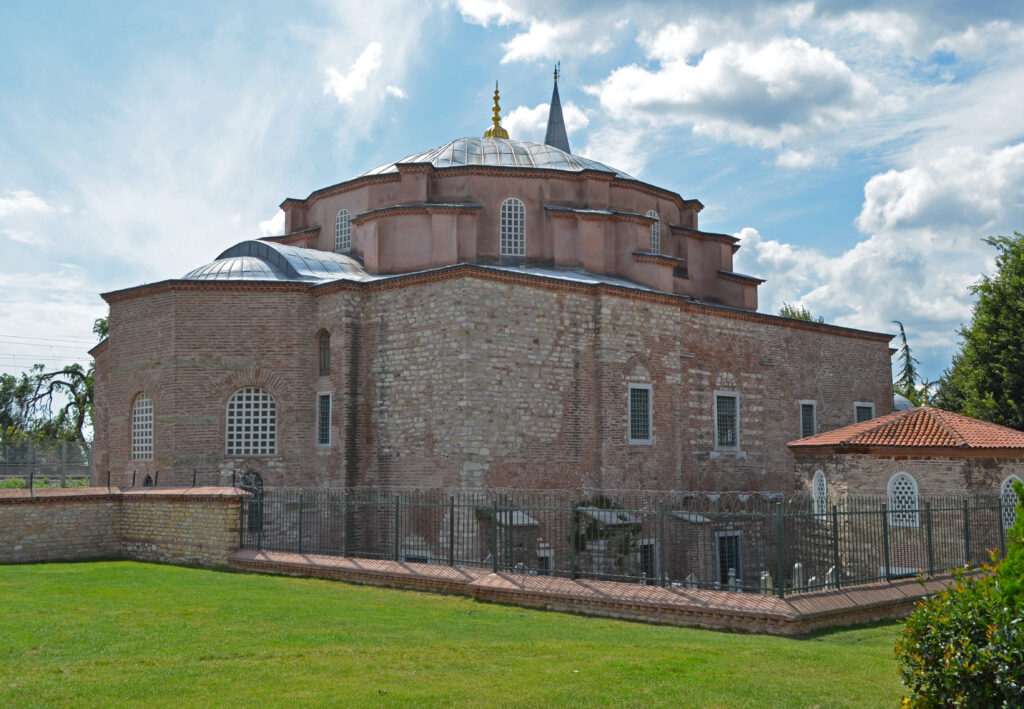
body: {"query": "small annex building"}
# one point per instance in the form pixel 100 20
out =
pixel 488 313
pixel 912 453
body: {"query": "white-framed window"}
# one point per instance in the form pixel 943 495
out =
pixel 655 232
pixel 251 422
pixel 640 407
pixel 808 418
pixel 513 228
pixel 819 493
pixel 903 501
pixel 863 411
pixel 1009 501
pixel 343 232
pixel 142 427
pixel 545 560
pixel 324 353
pixel 323 418
pixel 727 420
pixel 728 555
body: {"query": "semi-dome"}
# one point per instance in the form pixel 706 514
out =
pixel 499 152
pixel 267 261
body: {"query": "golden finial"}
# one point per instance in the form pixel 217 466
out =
pixel 557 67
pixel 496 131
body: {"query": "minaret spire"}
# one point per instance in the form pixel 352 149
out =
pixel 556 136
pixel 496 131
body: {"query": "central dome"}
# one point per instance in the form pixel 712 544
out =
pixel 500 152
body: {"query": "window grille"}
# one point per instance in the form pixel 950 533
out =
pixel 864 412
pixel 513 228
pixel 142 428
pixel 1009 502
pixel 251 423
pixel 640 413
pixel 903 501
pixel 323 420
pixel 727 421
pixel 655 232
pixel 324 342
pixel 808 422
pixel 343 232
pixel 820 493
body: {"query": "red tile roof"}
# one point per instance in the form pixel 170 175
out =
pixel 924 427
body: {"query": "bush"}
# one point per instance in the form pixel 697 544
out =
pixel 964 647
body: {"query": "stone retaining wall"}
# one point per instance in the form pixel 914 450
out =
pixel 171 525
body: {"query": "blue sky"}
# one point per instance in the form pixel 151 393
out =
pixel 860 152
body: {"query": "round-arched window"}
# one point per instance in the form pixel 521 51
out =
pixel 1009 501
pixel 513 228
pixel 655 232
pixel 142 428
pixel 819 493
pixel 251 423
pixel 343 232
pixel 903 501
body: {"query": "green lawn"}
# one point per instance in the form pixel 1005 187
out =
pixel 130 634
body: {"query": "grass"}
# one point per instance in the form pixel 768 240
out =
pixel 131 634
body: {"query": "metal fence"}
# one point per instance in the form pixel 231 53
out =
pixel 749 542
pixel 48 463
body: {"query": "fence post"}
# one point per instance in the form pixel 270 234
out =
pixel 885 539
pixel 259 529
pixel 967 533
pixel 928 523
pixel 300 521
pixel 241 523
pixel 31 463
pixel 661 543
pixel 494 536
pixel 573 540
pixel 451 530
pixel 835 548
pixel 194 471
pixel 778 550
pixel 63 463
pixel 1002 530
pixel 398 528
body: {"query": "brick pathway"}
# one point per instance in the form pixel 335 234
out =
pixel 749 612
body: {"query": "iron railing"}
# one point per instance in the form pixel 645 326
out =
pixel 47 463
pixel 753 542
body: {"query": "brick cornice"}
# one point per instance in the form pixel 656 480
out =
pixel 295 237
pixel 565 211
pixel 739 277
pixel 703 235
pixel 484 273
pixel 419 208
pixel 906 452
pixel 662 259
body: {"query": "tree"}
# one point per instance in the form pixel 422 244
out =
pixel 986 377
pixel 798 312
pixel 906 381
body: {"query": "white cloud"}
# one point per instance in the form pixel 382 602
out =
pixel 273 226
pixel 923 249
pixel 547 40
pixel 794 159
pixel 482 12
pixel 525 123
pixel 771 95
pixel 24 215
pixel 621 147
pixel 21 203
pixel 347 87
pixel 396 91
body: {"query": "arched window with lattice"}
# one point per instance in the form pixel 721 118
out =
pixel 142 428
pixel 251 423
pixel 1009 501
pixel 655 232
pixel 903 501
pixel 324 353
pixel 819 493
pixel 513 230
pixel 343 232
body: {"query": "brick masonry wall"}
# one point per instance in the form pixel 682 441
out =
pixel 472 381
pixel 177 526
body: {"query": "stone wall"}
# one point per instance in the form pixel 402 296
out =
pixel 177 526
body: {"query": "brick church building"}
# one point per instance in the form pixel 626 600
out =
pixel 489 313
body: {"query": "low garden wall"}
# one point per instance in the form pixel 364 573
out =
pixel 196 526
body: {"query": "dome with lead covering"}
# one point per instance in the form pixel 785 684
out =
pixel 268 261
pixel 499 152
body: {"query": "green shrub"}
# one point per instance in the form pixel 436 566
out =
pixel 12 484
pixel 964 647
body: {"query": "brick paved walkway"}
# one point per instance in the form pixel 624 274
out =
pixel 749 612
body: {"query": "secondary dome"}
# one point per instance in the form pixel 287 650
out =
pixel 267 261
pixel 499 152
